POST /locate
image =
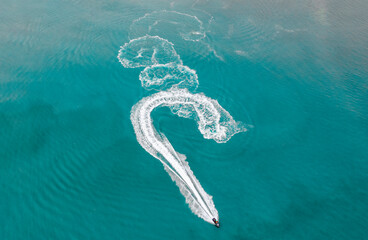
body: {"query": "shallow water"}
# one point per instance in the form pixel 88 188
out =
pixel 70 163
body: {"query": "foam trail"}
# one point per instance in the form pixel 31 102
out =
pixel 212 124
pixel 171 24
pixel 163 76
pixel 147 51
pixel 189 27
pixel 164 69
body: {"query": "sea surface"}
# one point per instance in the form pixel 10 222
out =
pixel 294 72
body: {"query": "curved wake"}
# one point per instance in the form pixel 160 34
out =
pixel 169 22
pixel 163 69
pixel 162 76
pixel 209 115
pixel 147 51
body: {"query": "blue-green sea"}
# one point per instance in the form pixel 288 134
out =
pixel 294 72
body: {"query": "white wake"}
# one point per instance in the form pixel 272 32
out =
pixel 163 76
pixel 164 70
pixel 209 115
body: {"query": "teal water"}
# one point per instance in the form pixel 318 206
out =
pixel 70 163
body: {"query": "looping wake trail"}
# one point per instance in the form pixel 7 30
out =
pixel 209 115
pixel 147 51
pixel 164 72
pixel 163 76
pixel 156 22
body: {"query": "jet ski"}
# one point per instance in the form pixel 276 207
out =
pixel 217 224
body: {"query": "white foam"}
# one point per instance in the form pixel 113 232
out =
pixel 146 51
pixel 189 27
pixel 163 76
pixel 241 53
pixel 171 24
pixel 164 69
pixel 213 122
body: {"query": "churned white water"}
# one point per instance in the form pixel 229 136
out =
pixel 164 72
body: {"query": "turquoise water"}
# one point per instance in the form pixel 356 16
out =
pixel 70 163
